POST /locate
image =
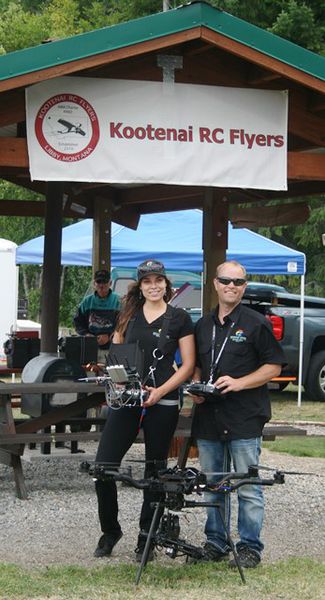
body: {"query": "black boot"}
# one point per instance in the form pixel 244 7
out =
pixel 142 540
pixel 106 544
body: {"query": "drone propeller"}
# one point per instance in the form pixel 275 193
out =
pixel 265 468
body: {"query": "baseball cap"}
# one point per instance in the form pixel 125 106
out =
pixel 150 267
pixel 102 276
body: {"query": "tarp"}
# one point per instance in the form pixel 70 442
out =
pixel 175 238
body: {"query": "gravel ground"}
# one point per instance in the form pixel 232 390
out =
pixel 58 524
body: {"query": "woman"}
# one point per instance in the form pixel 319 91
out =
pixel 142 318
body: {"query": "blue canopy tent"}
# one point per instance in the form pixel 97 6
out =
pixel 174 238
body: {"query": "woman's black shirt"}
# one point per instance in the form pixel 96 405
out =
pixel 180 325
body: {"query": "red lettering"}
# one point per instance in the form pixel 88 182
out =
pixel 260 139
pixel 215 134
pixel 234 135
pixel 278 141
pixel 249 138
pixel 128 132
pixel 150 132
pixel 204 135
pixel 160 133
pixel 140 133
pixel 114 129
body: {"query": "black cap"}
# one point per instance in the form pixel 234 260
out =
pixel 150 267
pixel 102 276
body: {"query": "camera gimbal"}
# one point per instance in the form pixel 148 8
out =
pixel 173 484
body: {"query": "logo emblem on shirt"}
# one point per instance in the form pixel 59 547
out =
pixel 239 336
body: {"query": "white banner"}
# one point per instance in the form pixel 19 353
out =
pixel 114 131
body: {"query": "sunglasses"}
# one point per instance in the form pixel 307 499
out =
pixel 228 280
pixel 101 281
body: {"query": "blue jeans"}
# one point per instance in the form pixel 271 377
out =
pixel 216 457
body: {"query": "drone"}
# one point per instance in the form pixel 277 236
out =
pixel 174 484
pixel 121 382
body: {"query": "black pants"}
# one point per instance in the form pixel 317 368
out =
pixel 120 431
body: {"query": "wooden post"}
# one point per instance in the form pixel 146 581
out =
pixel 102 228
pixel 51 268
pixel 215 240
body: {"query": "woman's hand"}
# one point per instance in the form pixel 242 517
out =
pixel 102 339
pixel 153 397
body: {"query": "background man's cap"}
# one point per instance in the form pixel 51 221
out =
pixel 150 267
pixel 102 276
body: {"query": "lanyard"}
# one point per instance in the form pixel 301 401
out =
pixel 214 362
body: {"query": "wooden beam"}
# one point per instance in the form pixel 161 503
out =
pixel 34 208
pixel 262 60
pixel 270 216
pixel 102 225
pixel 12 107
pixel 259 76
pixel 158 193
pixel 214 241
pixel 306 166
pixel 306 125
pixel 301 165
pixel 96 60
pixel 13 152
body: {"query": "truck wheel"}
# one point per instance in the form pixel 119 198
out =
pixel 315 384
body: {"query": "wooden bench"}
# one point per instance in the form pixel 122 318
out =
pixel 14 435
pixel 13 438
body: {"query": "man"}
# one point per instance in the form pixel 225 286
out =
pixel 237 352
pixel 97 313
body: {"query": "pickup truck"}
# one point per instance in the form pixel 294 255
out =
pixel 283 311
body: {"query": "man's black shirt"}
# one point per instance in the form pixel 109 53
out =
pixel 251 344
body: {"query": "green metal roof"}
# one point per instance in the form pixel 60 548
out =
pixel 154 26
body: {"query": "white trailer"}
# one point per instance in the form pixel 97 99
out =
pixel 8 292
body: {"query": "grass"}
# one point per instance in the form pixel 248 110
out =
pixel 285 408
pixel 284 580
pixel 298 446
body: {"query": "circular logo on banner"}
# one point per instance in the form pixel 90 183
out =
pixel 67 127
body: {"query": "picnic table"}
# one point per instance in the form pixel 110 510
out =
pixel 14 435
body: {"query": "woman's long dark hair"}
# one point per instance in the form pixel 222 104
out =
pixel 133 301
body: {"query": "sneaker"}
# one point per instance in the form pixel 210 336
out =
pixel 248 558
pixel 106 544
pixel 212 553
pixel 139 551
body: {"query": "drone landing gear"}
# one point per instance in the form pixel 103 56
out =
pixel 168 536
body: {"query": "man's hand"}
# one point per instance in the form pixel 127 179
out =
pixel 225 384
pixel 197 399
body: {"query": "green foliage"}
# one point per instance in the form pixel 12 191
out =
pixel 63 17
pixel 307 239
pixel 297 23
pixel 300 21
pixel 27 23
pixel 21 29
pixel 76 283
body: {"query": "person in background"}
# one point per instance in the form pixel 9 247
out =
pixel 238 353
pixel 97 313
pixel 144 318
